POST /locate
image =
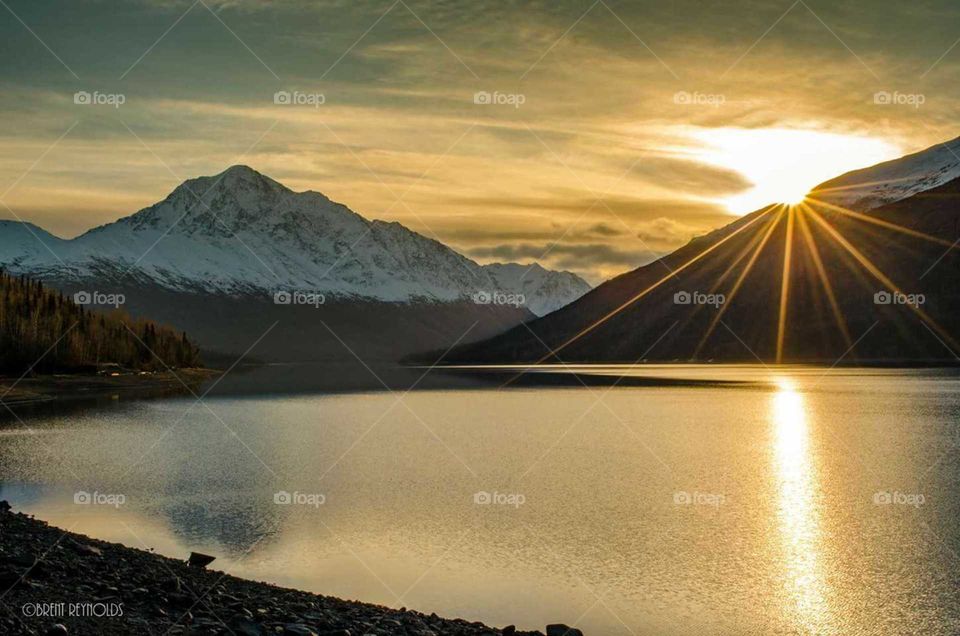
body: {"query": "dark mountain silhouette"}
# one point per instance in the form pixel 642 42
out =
pixel 868 287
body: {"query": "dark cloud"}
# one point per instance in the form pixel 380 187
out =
pixel 666 233
pixel 686 176
pixel 580 257
pixel 627 209
pixel 603 229
pixel 466 236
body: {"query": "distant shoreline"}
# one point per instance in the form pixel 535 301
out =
pixel 46 573
pixel 42 389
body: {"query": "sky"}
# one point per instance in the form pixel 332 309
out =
pixel 591 136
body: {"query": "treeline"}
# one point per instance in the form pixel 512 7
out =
pixel 35 319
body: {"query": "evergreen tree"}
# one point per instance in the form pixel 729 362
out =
pixel 37 323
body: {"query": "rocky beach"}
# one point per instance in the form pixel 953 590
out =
pixel 54 582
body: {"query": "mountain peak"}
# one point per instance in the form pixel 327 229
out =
pixel 234 197
pixel 242 176
pixel 237 179
pixel 242 171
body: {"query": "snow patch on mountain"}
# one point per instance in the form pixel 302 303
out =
pixel 890 181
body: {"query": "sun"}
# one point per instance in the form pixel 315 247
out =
pixel 782 165
pixel 793 196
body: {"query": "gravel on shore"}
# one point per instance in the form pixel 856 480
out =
pixel 54 582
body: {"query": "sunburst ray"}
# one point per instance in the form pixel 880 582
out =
pixel 553 352
pixel 881 223
pixel 822 274
pixel 866 184
pixel 715 287
pixel 785 283
pixel 736 286
pixel 877 273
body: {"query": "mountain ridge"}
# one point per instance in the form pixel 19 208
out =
pixel 894 180
pixel 243 232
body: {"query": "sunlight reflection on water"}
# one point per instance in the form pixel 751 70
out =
pixel 799 517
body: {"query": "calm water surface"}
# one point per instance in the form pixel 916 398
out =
pixel 810 502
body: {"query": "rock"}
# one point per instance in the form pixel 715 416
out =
pixel 559 629
pixel 243 626
pixel 181 600
pixel 298 629
pixel 172 585
pixel 509 630
pixel 9 579
pixel 112 598
pixel 200 560
pixel 4 506
pixel 20 560
pixel 56 629
pixel 87 550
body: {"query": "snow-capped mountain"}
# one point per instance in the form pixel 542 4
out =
pixel 26 247
pixel 544 290
pixel 893 180
pixel 241 232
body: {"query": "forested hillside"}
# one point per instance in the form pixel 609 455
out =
pixel 34 319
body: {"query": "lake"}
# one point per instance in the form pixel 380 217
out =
pixel 789 501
